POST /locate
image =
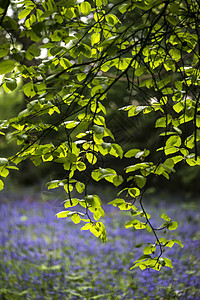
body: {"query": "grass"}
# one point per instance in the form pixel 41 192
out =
pixel 46 258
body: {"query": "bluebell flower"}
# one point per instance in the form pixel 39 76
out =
pixel 34 244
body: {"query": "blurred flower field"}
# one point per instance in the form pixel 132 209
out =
pixel 42 257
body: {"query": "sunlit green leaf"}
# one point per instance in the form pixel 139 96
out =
pixel 1 185
pixel 165 217
pixel 131 152
pixel 149 249
pixel 91 158
pixel 76 218
pixel 134 192
pixel 85 8
pixel 62 214
pixel 173 225
pixel 24 13
pixel 80 187
pixel 70 202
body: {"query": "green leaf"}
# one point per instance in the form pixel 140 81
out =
pixel 168 263
pixel 116 150
pixel 68 188
pixel 172 20
pixel 98 213
pixel 143 257
pixel 165 217
pixel 97 229
pixel 99 3
pixel 134 192
pixel 96 174
pixel 4 50
pixel 6 66
pixel 106 146
pixel 178 85
pixel 172 144
pixel 122 204
pixel 141 154
pixel 163 121
pixel 116 202
pixel 139 71
pixel 70 202
pixel 112 19
pixel 80 166
pixel 87 226
pixel 70 124
pixel 91 158
pixel 28 90
pixel 54 184
pixel 90 199
pixel 32 52
pixel 131 153
pixel 65 63
pixel 11 83
pixel 136 223
pixel 123 7
pixel 170 243
pixel 107 174
pixel 85 8
pixel 95 38
pixel 98 131
pixel 178 242
pixel 168 165
pixel 178 130
pixel 141 166
pixel 24 13
pixel 1 185
pixel 79 187
pixel 81 76
pixel 94 201
pixel 178 107
pixel 72 157
pixel 149 249
pixel 117 180
pixel 172 225
pixel 177 158
pixel 76 218
pixel 140 181
pixel 62 214
pixel 55 50
pixel 4 172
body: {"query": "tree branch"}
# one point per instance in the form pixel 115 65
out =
pixel 5 12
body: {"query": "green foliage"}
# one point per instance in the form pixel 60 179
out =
pixel 69 55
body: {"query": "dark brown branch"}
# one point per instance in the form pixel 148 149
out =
pixel 5 12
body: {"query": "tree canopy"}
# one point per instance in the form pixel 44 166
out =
pixel 68 56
